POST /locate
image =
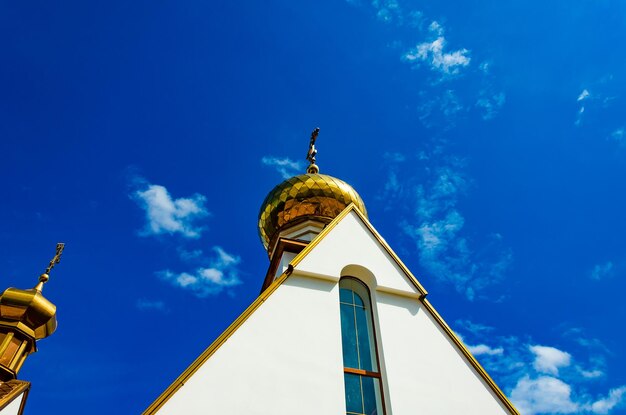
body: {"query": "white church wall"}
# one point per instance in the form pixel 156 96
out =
pixel 12 408
pixel 423 368
pixel 285 359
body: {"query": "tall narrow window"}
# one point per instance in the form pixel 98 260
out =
pixel 360 359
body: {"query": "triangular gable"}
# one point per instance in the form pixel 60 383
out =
pixel 316 261
pixel 351 239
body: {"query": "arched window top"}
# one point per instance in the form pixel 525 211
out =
pixel 360 360
pixel 352 291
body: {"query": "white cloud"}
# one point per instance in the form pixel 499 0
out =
pixel 285 166
pixel 549 359
pixel 433 53
pixel 601 271
pixel 583 95
pixel 604 405
pixel 591 374
pixel 436 28
pixel 542 379
pixel 550 395
pixel 221 273
pixel 544 394
pixel 150 305
pixel 165 215
pixel 481 349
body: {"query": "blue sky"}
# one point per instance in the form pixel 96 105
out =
pixel 488 141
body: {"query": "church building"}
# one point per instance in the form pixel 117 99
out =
pixel 341 326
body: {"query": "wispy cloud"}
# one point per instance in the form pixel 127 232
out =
pixel 443 249
pixel 285 166
pixel 476 329
pixel 602 271
pixel 542 379
pixel 490 104
pixel 443 105
pixel 221 273
pixel 598 101
pixel 591 374
pixel 617 135
pixel 166 215
pixel 151 305
pixel 189 255
pixel 434 54
pixel 445 64
pixel 604 405
pixel 582 97
pixel 388 11
pixel 480 349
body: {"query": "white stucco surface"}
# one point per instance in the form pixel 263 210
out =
pixel 423 367
pixel 14 407
pixel 350 242
pixel 285 359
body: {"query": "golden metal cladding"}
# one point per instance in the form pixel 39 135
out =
pixel 303 197
pixel 28 311
pixel 25 317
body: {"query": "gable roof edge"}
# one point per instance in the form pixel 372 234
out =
pixel 471 359
pixel 10 390
pixel 217 343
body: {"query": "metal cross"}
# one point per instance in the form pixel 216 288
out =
pixel 312 150
pixel 57 257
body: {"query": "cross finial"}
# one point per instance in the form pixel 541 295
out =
pixel 43 278
pixel 312 169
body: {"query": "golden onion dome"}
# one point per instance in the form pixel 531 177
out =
pixel 28 311
pixel 307 196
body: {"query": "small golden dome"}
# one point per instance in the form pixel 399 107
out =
pixel 307 196
pixel 28 311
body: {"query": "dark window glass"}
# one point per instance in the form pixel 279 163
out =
pixel 371 396
pixel 348 336
pixel 363 393
pixel 345 295
pixel 363 340
pixel 354 398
